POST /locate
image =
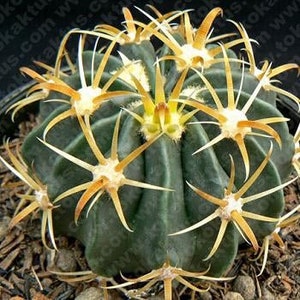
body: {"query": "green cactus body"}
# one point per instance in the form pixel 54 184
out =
pixel 171 181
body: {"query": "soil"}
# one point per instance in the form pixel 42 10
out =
pixel 26 266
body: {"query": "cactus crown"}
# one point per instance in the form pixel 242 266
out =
pixel 178 153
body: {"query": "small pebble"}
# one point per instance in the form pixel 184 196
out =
pixel 206 296
pixel 233 296
pixel 91 293
pixel 66 261
pixel 245 286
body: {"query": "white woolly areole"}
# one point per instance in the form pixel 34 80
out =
pixel 232 205
pixel 85 105
pixel 189 53
pixel 135 68
pixel 193 92
pixel 264 79
pixel 230 128
pixel 41 197
pixel 115 179
pixel 45 90
pixel 167 274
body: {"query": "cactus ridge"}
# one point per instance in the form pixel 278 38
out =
pixel 160 157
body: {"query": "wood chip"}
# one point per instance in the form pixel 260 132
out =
pixel 6 263
pixel 17 281
pixel 6 283
pixel 13 244
pixel 39 296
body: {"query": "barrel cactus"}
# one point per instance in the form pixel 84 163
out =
pixel 161 152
